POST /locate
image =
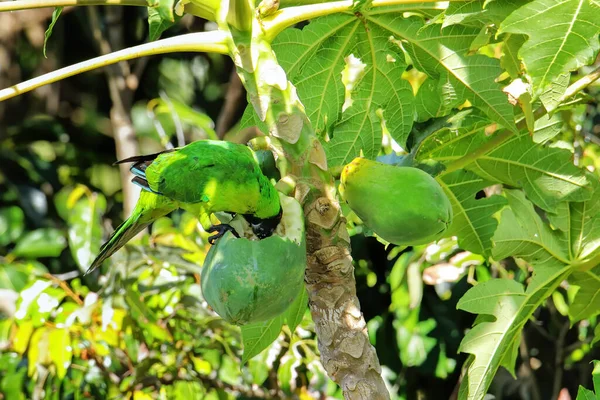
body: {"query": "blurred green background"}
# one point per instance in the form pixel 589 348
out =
pixel 140 329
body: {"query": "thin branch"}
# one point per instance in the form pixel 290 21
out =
pixel 31 4
pixel 64 287
pixel 530 374
pixel 233 98
pixel 580 84
pixel 214 41
pixel 121 96
pixel 559 345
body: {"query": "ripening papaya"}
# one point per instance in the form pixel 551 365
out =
pixel 247 280
pixel 402 205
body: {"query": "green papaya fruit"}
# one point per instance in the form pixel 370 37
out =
pixel 402 205
pixel 246 280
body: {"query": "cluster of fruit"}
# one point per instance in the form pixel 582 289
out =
pixel 248 280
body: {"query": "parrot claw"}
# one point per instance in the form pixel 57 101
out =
pixel 221 230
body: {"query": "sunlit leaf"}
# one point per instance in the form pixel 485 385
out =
pixel 295 312
pixel 563 36
pixel 60 350
pixel 16 275
pixel 44 242
pixel 38 350
pixel 85 229
pixel 494 343
pixel 472 223
pixel 257 337
pixel 12 223
pixel 314 59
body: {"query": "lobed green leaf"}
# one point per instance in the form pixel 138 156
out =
pixel 563 36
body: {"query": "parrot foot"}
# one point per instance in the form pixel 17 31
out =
pixel 221 230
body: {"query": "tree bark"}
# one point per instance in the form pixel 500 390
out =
pixel 346 353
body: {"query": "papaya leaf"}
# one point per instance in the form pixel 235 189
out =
pixel 465 133
pixel 547 174
pixel 495 342
pixel 552 94
pixel 546 128
pixel 503 305
pixel 522 233
pixel 55 14
pixel 479 13
pixel 257 337
pixel 435 98
pixel 563 36
pixel 596 377
pixel 473 223
pixel 314 59
pixel 437 51
pixel 587 299
pixel 510 60
pixel 294 314
pixel 585 226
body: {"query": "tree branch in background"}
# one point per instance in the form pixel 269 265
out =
pixel 121 96
pixel 233 99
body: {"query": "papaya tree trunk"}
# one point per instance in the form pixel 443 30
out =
pixel 346 352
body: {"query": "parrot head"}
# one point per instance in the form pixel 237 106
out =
pixel 263 227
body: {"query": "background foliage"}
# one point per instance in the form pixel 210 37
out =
pixel 142 330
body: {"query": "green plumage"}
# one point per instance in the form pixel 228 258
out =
pixel 203 177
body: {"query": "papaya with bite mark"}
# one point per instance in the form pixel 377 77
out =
pixel 246 280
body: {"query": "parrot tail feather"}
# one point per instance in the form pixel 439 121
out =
pixel 139 169
pixel 123 234
pixel 145 157
pixel 144 185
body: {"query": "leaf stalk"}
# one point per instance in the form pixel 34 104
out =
pixel 214 41
pixel 32 4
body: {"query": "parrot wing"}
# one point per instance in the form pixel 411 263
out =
pixel 197 172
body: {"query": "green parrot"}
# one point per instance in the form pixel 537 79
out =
pixel 204 177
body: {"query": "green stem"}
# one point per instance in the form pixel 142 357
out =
pixel 462 162
pixel 580 84
pixel 586 265
pixel 336 172
pixel 286 17
pixel 31 4
pixel 273 25
pixel 214 41
pixel 239 15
